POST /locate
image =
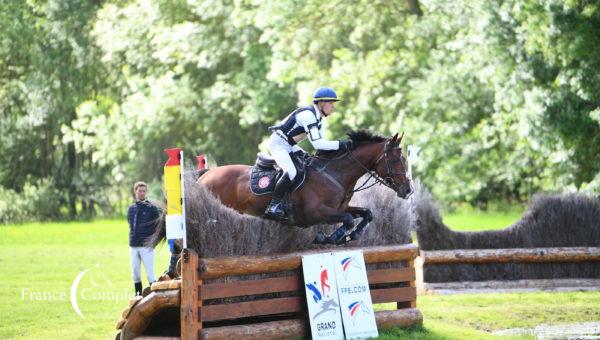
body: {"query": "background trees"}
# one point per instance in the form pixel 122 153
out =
pixel 502 96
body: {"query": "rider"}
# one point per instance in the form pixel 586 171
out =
pixel 301 123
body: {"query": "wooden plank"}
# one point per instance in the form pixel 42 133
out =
pixel 512 255
pixel 391 275
pixel 251 287
pixel 299 328
pixel 412 303
pixel 190 324
pixel 393 294
pixel 247 265
pixel 252 308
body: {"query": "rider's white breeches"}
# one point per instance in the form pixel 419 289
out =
pixel 280 150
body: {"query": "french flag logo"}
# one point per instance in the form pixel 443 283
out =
pixel 346 263
pixel 353 308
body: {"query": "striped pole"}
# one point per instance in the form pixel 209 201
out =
pixel 175 192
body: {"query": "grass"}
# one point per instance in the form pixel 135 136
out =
pixel 469 219
pixel 41 261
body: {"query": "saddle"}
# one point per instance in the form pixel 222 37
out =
pixel 265 173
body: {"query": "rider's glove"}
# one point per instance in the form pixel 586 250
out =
pixel 345 145
pixel 300 154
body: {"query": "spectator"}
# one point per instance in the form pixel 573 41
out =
pixel 142 217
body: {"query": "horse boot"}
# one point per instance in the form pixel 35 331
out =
pixel 360 228
pixel 338 237
pixel 275 209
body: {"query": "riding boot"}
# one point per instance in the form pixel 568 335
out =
pixel 275 209
pixel 138 288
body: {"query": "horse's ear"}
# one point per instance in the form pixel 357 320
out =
pixel 400 140
pixel 393 140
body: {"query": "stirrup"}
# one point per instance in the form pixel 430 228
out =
pixel 275 211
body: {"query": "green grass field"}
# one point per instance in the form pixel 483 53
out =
pixel 468 219
pixel 41 262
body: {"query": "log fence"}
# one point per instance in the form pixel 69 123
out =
pixel 264 296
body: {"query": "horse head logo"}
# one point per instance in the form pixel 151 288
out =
pixel 355 307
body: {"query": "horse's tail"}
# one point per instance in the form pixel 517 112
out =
pixel 160 231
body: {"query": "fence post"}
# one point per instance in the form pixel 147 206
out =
pixel 191 326
pixel 411 283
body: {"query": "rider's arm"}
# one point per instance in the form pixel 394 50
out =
pixel 315 135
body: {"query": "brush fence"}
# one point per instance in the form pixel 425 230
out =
pixel 264 296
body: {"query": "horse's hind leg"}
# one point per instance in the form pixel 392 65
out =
pixel 367 217
pixel 339 235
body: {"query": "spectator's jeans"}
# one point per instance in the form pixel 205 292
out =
pixel 146 255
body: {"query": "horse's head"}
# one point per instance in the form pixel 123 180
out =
pixel 391 166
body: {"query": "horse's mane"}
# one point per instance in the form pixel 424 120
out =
pixel 360 137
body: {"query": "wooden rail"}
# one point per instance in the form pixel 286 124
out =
pixel 212 268
pixel 511 255
pixel 231 298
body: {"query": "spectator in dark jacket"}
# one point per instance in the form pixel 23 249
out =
pixel 142 217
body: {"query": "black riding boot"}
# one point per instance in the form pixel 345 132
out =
pixel 275 209
pixel 138 288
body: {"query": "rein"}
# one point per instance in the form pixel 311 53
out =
pixel 388 181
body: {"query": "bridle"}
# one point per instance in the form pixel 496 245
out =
pixel 388 181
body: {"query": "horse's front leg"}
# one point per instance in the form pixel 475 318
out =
pixel 366 216
pixel 332 215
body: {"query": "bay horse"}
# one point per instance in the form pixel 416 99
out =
pixel 330 180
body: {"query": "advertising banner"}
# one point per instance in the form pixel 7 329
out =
pixel 322 296
pixel 354 295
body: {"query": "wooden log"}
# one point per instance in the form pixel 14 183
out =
pixel 164 285
pixel 513 286
pixel 405 317
pixel 142 313
pixel 284 329
pixel 211 268
pixel 121 323
pixel 190 324
pixel 299 328
pixel 511 255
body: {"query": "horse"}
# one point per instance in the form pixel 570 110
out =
pixel 330 181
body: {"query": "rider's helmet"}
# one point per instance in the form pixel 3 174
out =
pixel 325 94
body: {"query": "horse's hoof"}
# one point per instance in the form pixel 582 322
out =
pixel 320 238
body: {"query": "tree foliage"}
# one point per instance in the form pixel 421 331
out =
pixel 501 95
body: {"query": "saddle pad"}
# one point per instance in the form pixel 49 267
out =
pixel 262 181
